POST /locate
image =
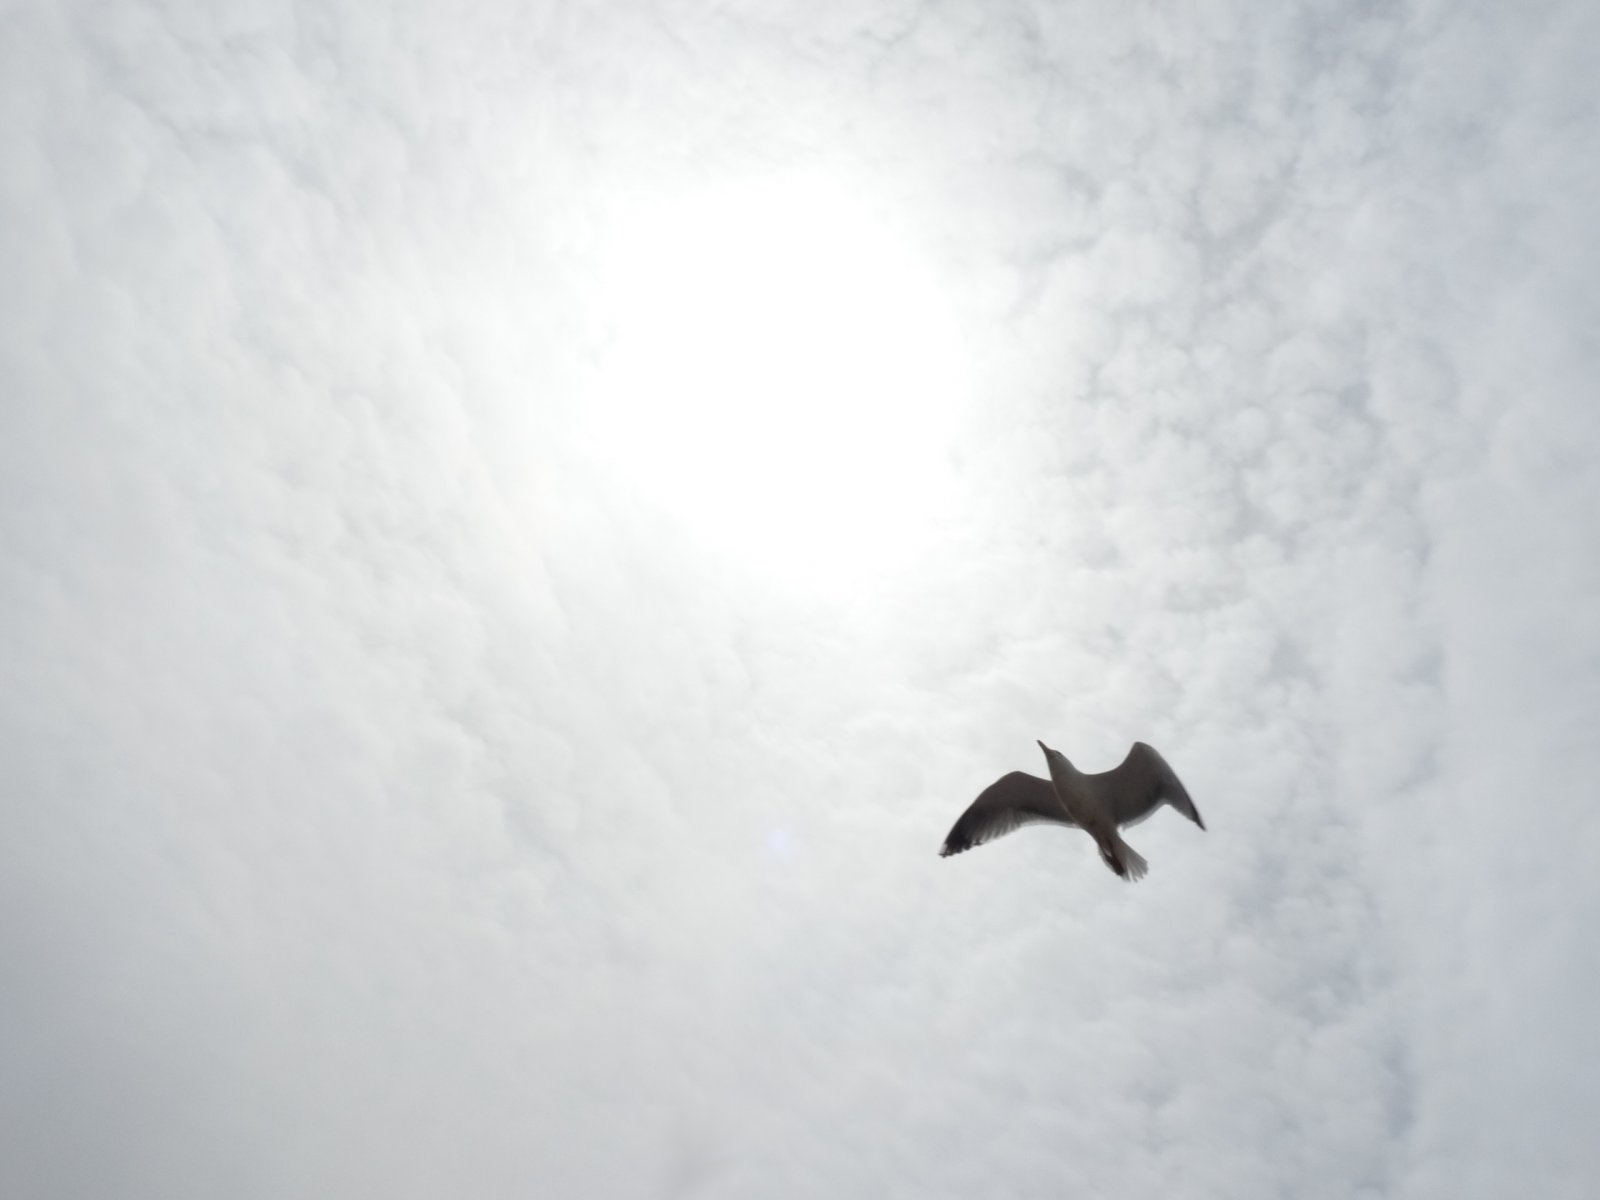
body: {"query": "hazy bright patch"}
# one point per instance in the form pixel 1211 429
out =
pixel 777 370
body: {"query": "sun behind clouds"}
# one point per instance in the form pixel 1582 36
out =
pixel 779 371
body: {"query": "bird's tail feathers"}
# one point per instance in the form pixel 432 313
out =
pixel 1125 860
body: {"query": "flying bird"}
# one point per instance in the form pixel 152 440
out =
pixel 1100 805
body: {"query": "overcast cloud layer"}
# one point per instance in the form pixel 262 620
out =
pixel 408 793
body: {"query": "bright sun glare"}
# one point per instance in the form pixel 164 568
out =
pixel 780 374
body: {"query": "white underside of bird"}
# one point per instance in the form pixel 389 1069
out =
pixel 1102 805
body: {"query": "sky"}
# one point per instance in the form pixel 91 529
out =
pixel 523 524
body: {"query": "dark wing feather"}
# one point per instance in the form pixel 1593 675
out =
pixel 1008 803
pixel 1142 783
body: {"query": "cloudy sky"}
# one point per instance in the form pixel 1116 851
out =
pixel 522 525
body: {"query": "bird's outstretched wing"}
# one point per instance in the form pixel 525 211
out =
pixel 1008 803
pixel 1142 783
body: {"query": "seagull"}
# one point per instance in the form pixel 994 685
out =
pixel 1098 804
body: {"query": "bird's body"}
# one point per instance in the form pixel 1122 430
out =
pixel 1100 804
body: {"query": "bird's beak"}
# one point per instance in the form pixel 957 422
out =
pixel 1045 748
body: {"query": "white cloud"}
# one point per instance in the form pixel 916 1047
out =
pixel 401 799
